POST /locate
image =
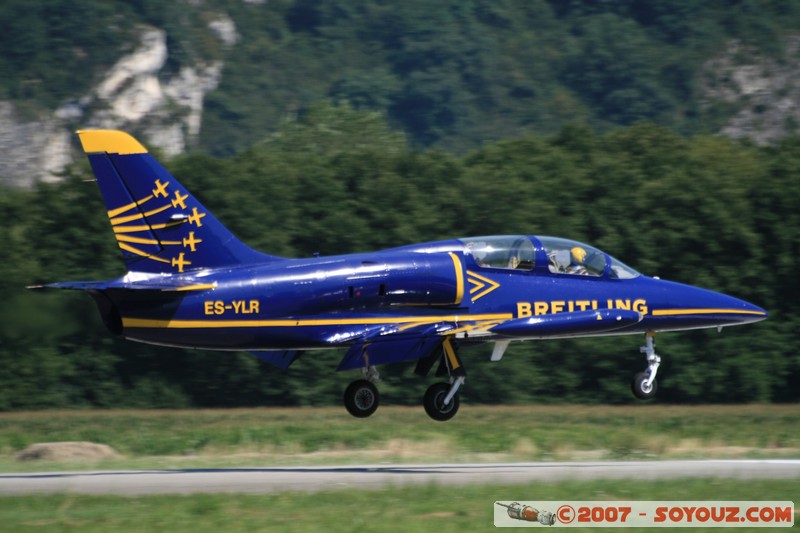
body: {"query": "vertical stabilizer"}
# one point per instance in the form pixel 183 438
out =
pixel 159 225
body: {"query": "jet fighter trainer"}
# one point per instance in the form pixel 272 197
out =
pixel 190 283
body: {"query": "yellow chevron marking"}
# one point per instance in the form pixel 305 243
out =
pixel 477 285
pixel 478 291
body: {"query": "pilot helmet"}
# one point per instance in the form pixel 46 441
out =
pixel 578 254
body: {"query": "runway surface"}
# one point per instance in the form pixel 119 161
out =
pixel 313 479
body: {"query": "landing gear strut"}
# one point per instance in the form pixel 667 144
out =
pixel 644 385
pixel 441 400
pixel 361 397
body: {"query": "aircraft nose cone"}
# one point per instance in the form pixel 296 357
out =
pixel 723 309
pixel 755 311
pixel 742 311
pixel 695 307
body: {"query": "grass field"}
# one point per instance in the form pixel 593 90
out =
pixel 412 509
pixel 264 437
pixel 276 436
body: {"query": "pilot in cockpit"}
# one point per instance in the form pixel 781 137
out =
pixel 568 261
pixel 578 261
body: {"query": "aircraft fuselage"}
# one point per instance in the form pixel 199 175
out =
pixel 323 302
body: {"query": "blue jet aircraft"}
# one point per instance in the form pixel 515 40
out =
pixel 191 283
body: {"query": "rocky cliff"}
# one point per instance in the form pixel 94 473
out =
pixel 762 93
pixel 744 93
pixel 135 94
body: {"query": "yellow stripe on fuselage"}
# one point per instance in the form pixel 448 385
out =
pixel 677 312
pixel 459 278
pixel 200 324
pixel 198 287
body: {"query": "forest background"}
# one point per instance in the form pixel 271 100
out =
pixel 369 125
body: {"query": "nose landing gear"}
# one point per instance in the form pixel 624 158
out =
pixel 644 384
pixel 441 400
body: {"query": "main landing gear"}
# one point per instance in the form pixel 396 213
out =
pixel 644 384
pixel 361 397
pixel 441 400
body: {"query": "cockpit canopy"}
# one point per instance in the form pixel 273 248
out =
pixel 561 256
pixel 502 251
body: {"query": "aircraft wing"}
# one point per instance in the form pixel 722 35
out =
pixel 394 344
pixel 278 358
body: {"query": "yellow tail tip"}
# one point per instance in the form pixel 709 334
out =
pixel 109 141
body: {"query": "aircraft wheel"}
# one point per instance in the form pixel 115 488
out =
pixel 361 398
pixel 640 389
pixel 434 402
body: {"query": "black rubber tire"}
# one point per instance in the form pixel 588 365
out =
pixel 433 399
pixel 637 386
pixel 361 398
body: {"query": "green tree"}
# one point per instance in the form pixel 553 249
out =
pixel 704 210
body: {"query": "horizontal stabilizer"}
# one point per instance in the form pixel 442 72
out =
pixel 167 284
pixel 567 324
pixel 74 285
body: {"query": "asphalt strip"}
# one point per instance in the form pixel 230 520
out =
pixel 318 478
